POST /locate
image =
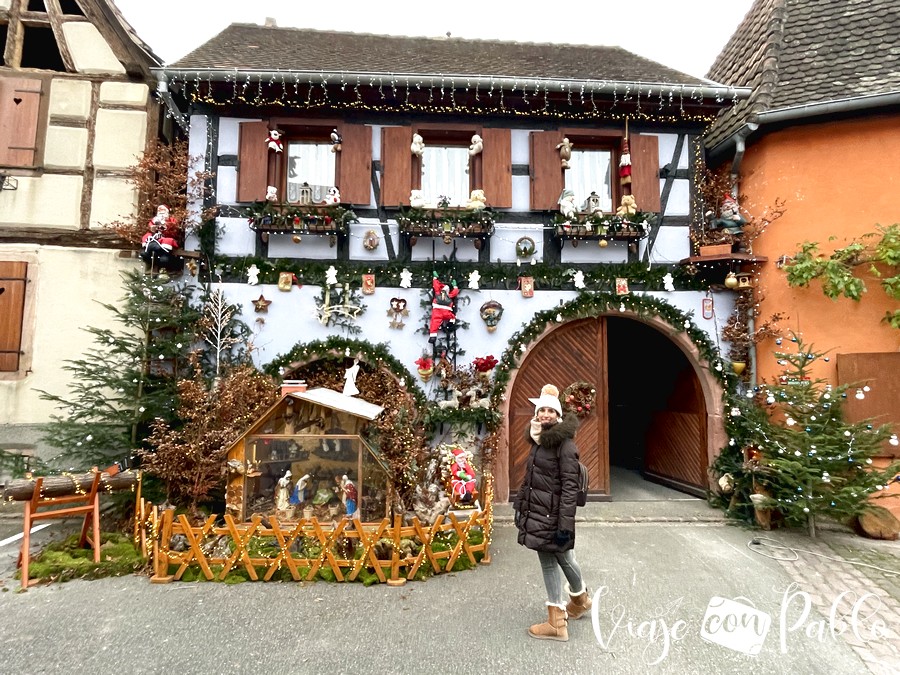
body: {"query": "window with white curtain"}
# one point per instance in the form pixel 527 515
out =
pixel 591 171
pixel 445 173
pixel 312 164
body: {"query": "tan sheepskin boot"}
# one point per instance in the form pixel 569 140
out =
pixel 579 603
pixel 555 628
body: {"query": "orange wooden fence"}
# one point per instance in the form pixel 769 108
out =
pixel 392 550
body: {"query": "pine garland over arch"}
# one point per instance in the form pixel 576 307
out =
pixel 589 305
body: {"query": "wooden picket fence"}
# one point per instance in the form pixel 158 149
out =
pixel 383 537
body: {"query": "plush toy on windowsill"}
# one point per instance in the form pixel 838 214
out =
pixel 477 201
pixel 274 141
pixel 628 207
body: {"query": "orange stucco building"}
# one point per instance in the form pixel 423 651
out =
pixel 819 133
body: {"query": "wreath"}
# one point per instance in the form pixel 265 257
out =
pixel 580 398
pixel 525 247
pixel 370 240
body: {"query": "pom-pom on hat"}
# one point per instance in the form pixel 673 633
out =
pixel 549 398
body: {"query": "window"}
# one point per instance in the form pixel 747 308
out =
pixel 312 165
pixel 307 157
pixel 39 49
pixel 445 167
pixel 12 310
pixel 445 174
pixel 590 172
pixel 596 169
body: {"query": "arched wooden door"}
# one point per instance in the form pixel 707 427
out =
pixel 573 352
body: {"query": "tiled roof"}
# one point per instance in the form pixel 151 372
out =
pixel 800 52
pixel 252 47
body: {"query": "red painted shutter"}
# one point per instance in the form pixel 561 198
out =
pixel 12 308
pixel 497 167
pixel 355 179
pixel 645 171
pixel 396 165
pixel 20 106
pixel 253 161
pixel 546 171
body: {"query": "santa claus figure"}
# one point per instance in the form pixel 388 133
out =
pixel 443 305
pixel 158 242
pixel 462 478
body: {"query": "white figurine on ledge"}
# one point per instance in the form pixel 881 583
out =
pixel 283 492
pixel 418 145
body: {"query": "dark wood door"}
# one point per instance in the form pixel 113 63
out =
pixel 574 352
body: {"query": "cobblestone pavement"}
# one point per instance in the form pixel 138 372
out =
pixel 853 582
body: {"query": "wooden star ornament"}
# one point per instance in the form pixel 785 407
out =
pixel 261 304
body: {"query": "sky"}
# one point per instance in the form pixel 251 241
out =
pixel 686 35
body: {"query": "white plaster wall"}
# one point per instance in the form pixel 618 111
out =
pixel 69 286
pixel 291 318
pixel 121 136
pixel 113 198
pixel 65 148
pixel 124 93
pixel 47 201
pixel 679 203
pixel 90 52
pixel 70 99
pixel 235 237
pixel 672 245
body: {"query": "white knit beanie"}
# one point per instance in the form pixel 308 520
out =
pixel 549 398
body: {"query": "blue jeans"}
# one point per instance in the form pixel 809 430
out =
pixel 551 563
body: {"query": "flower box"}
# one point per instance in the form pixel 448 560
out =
pixel 715 249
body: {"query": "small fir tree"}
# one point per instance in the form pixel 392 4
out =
pixel 128 378
pixel 807 458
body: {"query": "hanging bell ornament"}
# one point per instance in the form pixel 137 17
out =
pixel 296 239
pixel 603 243
pixel 731 281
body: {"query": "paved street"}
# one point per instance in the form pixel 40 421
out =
pixel 684 596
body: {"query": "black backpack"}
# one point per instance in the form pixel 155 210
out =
pixel 581 497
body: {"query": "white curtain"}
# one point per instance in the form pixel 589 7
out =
pixel 445 172
pixel 311 163
pixel 590 172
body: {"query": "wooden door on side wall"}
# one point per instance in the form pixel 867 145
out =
pixel 676 438
pixel 574 352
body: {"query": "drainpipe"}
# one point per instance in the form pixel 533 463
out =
pixel 162 91
pixel 740 145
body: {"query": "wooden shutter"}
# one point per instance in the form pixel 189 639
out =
pixel 645 171
pixel 20 106
pixel 497 167
pixel 355 173
pixel 253 161
pixel 546 172
pixel 396 165
pixel 879 371
pixel 12 308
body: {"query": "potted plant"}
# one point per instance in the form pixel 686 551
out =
pixel 738 334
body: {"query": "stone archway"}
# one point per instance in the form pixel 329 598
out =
pixel 581 344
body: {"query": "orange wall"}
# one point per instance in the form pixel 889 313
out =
pixel 838 179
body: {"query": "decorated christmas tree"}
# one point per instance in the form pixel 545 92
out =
pixel 128 377
pixel 805 459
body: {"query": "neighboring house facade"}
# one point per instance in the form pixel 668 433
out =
pixel 820 133
pixel 410 131
pixel 75 114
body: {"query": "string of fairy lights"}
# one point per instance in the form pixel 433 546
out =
pixel 438 95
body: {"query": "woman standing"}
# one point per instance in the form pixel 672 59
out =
pixel 545 512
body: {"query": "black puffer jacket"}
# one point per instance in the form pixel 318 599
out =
pixel 546 501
